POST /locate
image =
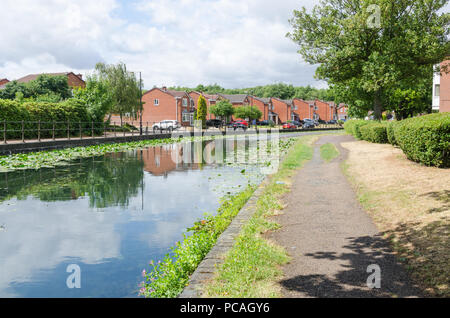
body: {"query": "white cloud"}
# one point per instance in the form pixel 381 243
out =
pixel 230 42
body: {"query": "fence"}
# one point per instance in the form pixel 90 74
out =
pixel 23 131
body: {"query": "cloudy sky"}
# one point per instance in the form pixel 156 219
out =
pixel 235 43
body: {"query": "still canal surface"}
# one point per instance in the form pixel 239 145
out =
pixel 110 215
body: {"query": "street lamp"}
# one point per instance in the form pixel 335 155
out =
pixel 141 108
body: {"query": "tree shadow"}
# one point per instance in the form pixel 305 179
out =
pixel 442 197
pixel 351 280
pixel 427 253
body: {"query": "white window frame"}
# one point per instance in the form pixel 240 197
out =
pixel 185 102
pixel 156 102
pixel 437 90
pixel 186 117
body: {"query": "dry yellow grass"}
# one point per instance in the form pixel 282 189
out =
pixel 410 203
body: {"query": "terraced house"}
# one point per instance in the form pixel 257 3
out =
pixel 163 104
pixel 264 105
pixel 285 110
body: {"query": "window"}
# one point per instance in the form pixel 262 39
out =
pixel 185 103
pixel 437 90
pixel 192 103
pixel 186 117
pixel 317 108
pixel 156 102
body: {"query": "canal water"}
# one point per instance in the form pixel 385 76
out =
pixel 109 215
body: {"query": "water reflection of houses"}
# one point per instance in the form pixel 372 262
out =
pixel 159 161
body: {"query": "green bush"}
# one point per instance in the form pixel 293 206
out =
pixel 374 132
pixel 51 115
pixel 425 139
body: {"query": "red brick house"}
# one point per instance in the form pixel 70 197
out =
pixel 163 104
pixel 325 110
pixel 284 109
pixel 305 109
pixel 263 104
pixel 342 112
pixel 74 80
pixel 3 82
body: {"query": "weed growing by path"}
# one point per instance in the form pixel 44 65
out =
pixel 328 152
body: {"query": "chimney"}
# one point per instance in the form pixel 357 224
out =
pixel 80 76
pixel 164 88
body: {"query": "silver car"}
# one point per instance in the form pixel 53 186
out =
pixel 169 125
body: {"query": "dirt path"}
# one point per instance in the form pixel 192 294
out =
pixel 331 239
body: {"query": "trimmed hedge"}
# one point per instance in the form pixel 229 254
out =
pixel 353 127
pixel 13 112
pixel 374 132
pixel 390 133
pixel 425 139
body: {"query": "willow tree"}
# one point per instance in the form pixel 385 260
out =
pixel 124 88
pixel 372 44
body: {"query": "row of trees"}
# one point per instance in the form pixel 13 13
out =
pixel 280 90
pixel 376 55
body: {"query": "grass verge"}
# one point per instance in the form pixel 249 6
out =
pixel 252 266
pixel 328 152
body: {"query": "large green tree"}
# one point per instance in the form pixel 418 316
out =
pixel 372 44
pixel 97 95
pixel 124 88
pixel 223 109
pixel 247 112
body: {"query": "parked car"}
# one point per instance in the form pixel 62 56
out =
pixel 315 122
pixel 241 121
pixel 332 122
pixel 289 126
pixel 266 123
pixel 308 124
pixel 239 125
pixel 217 123
pixel 297 123
pixel 168 125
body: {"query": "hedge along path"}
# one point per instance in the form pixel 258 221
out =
pixel 424 139
pixel 331 240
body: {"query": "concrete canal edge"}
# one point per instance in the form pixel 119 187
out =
pixel 36 146
pixel 216 256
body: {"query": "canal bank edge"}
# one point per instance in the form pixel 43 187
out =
pixel 206 270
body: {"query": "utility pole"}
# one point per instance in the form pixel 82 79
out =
pixel 140 94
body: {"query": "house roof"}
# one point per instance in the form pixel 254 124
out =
pixel 287 102
pixel 238 98
pixel 32 77
pixel 263 99
pixel 175 94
